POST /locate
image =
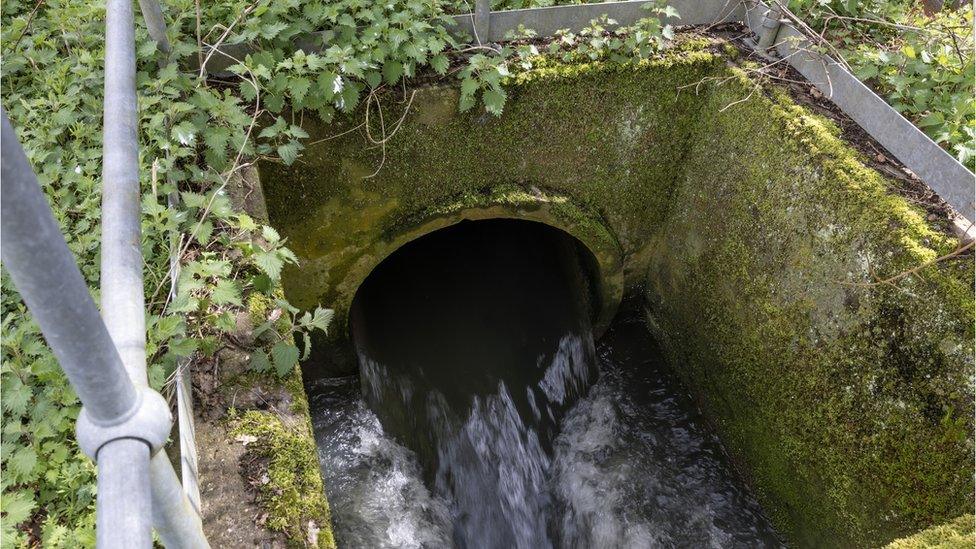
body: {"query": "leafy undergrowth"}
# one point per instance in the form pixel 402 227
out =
pixel 921 62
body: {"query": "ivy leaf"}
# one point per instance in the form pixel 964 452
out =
pixel 285 356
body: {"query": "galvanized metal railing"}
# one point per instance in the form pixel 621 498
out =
pixel 124 424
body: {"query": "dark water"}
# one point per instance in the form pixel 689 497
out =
pixel 485 416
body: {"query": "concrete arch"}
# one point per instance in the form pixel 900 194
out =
pixel 604 256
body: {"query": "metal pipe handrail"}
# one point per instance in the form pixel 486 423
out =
pixel 123 308
pixel 47 277
pixel 176 520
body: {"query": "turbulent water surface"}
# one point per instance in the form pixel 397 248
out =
pixel 633 465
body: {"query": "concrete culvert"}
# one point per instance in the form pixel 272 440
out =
pixel 752 236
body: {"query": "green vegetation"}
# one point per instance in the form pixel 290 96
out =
pixel 922 63
pixel 197 134
pixel 293 493
pixel 956 534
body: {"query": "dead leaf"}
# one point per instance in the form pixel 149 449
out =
pixel 246 439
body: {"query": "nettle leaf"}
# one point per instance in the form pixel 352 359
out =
pixel 21 464
pixel 225 322
pixel 285 357
pixel 270 264
pixel 494 101
pixel 17 506
pixel 469 86
pixel 193 200
pixel 16 396
pixel 270 234
pixel 440 63
pixel 289 151
pixel 392 71
pixel 183 346
pixel 185 133
pixel 167 327
pixel 320 318
pixel 298 88
pixel 203 232
pixel 226 292
pixel 259 361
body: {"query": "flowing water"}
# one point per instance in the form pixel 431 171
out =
pixel 486 417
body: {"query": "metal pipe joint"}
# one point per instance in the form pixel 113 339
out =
pixel 149 420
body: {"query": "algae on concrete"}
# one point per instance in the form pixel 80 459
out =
pixel 754 233
pixel 956 534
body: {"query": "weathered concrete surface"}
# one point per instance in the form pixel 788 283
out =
pixel 754 233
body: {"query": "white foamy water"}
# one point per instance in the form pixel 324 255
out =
pixel 632 465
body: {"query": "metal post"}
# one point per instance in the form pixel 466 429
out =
pixel 155 24
pixel 121 269
pixel 176 521
pixel 123 516
pixel 47 277
pixel 482 21
pixel 770 28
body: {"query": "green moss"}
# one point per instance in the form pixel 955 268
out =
pixel 957 534
pixel 258 307
pixel 848 403
pixel 604 137
pixel 293 496
pixel 754 231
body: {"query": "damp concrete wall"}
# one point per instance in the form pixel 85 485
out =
pixel 755 234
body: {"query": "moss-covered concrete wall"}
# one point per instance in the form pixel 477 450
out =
pixel 749 227
pixel 849 401
pixel 955 534
pixel 579 148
